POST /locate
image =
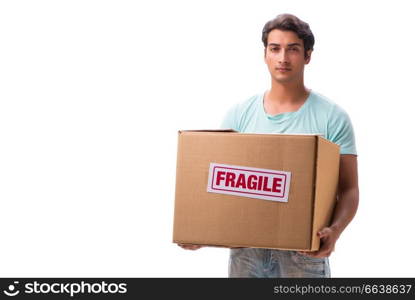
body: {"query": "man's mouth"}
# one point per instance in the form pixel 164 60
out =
pixel 283 69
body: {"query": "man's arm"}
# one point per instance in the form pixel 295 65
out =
pixel 346 206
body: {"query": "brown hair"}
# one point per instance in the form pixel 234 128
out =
pixel 287 22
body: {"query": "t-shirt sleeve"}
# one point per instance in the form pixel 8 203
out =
pixel 230 121
pixel 340 131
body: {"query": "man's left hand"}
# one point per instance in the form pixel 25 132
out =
pixel 328 237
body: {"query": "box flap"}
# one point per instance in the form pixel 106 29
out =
pixel 327 177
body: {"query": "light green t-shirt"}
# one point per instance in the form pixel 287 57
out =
pixel 318 115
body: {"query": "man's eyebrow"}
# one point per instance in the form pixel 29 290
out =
pixel 289 45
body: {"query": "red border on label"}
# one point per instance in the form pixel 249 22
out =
pixel 255 171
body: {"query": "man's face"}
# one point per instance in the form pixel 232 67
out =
pixel 284 56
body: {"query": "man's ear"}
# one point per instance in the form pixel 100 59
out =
pixel 308 56
pixel 265 53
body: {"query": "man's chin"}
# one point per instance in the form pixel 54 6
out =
pixel 283 79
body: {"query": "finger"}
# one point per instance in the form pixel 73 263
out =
pixel 193 247
pixel 324 232
pixel 190 247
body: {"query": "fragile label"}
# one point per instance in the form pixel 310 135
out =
pixel 249 182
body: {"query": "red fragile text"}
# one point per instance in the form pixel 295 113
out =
pixel 250 182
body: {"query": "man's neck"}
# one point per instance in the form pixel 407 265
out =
pixel 286 94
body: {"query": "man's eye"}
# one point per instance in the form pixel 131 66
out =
pixel 293 49
pixel 274 49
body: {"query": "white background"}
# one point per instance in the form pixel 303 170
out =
pixel 92 94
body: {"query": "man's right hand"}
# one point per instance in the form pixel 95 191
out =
pixel 190 246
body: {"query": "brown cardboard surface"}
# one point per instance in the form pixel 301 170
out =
pixel 327 177
pixel 228 220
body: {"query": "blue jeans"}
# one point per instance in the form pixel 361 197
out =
pixel 255 262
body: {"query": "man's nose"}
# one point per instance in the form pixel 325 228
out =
pixel 282 56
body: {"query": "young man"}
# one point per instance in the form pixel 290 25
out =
pixel 289 107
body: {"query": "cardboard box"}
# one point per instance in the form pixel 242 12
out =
pixel 282 191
